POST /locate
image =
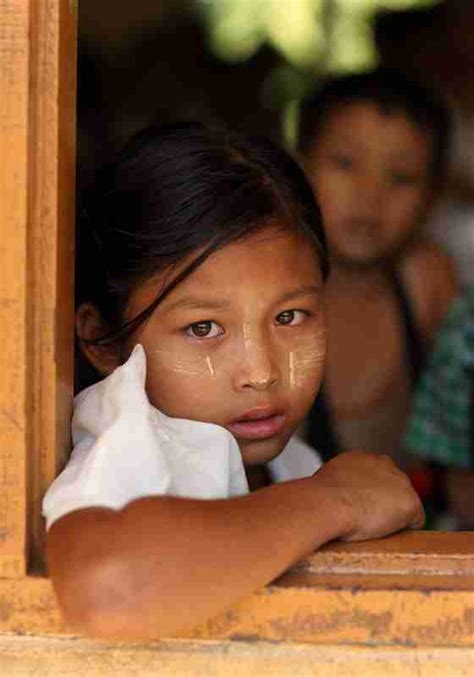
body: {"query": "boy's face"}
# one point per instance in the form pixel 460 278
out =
pixel 243 337
pixel 370 171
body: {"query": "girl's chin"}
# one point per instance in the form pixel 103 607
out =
pixel 258 452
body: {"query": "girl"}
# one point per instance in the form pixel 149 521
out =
pixel 200 290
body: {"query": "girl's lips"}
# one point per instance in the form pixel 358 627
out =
pixel 257 429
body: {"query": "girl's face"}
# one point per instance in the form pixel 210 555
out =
pixel 370 171
pixel 241 342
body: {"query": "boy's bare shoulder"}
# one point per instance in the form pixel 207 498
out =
pixel 429 278
pixel 426 258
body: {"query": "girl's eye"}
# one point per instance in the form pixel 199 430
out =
pixel 291 317
pixel 207 329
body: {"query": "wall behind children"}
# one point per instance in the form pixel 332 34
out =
pixel 240 61
pixel 248 63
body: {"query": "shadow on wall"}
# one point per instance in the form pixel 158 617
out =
pixel 154 66
pixel 436 45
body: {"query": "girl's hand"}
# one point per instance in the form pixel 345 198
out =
pixel 375 497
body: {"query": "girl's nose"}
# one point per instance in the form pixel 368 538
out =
pixel 255 367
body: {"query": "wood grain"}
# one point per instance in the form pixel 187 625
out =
pixel 404 609
pixel 37 143
pixel 41 656
pixel 408 553
pixel 344 612
pixel 51 247
pixel 14 394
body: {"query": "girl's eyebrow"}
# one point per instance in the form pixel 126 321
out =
pixel 196 303
pixel 300 292
pixel 193 302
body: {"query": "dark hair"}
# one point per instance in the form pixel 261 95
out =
pixel 392 91
pixel 175 190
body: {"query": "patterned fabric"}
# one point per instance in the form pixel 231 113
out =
pixel 441 424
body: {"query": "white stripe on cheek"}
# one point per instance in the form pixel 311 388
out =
pixel 209 365
pixel 197 367
pixel 291 365
pixel 301 361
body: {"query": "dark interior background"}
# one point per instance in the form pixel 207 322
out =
pixel 247 62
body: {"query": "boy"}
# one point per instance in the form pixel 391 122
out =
pixel 375 149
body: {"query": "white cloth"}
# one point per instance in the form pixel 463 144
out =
pixel 124 449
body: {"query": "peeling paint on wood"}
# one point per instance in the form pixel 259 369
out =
pixel 41 656
pixel 351 614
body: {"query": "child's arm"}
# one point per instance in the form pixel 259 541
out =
pixel 162 564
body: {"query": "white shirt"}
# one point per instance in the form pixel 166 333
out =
pixel 124 449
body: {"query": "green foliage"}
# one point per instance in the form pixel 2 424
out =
pixel 313 38
pixel 320 34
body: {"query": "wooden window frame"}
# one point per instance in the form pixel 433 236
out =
pixel 409 590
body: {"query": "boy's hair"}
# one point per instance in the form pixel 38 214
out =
pixel 391 91
pixel 175 191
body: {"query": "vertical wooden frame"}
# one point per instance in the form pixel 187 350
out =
pixel 13 215
pixel 37 119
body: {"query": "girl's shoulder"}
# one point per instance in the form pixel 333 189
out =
pixel 429 278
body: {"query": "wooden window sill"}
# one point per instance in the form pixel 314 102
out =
pixel 412 589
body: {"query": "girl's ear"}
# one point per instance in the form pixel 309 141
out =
pixel 89 326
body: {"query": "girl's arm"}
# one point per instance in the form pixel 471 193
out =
pixel 163 564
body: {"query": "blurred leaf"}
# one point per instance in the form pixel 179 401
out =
pixel 297 29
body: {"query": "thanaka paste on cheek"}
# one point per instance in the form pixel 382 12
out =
pixel 301 362
pixel 209 365
pixel 199 366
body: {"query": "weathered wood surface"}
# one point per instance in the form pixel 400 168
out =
pixel 41 657
pixel 413 552
pixel 51 247
pixel 393 609
pixel 37 137
pixel 338 612
pixel 14 73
